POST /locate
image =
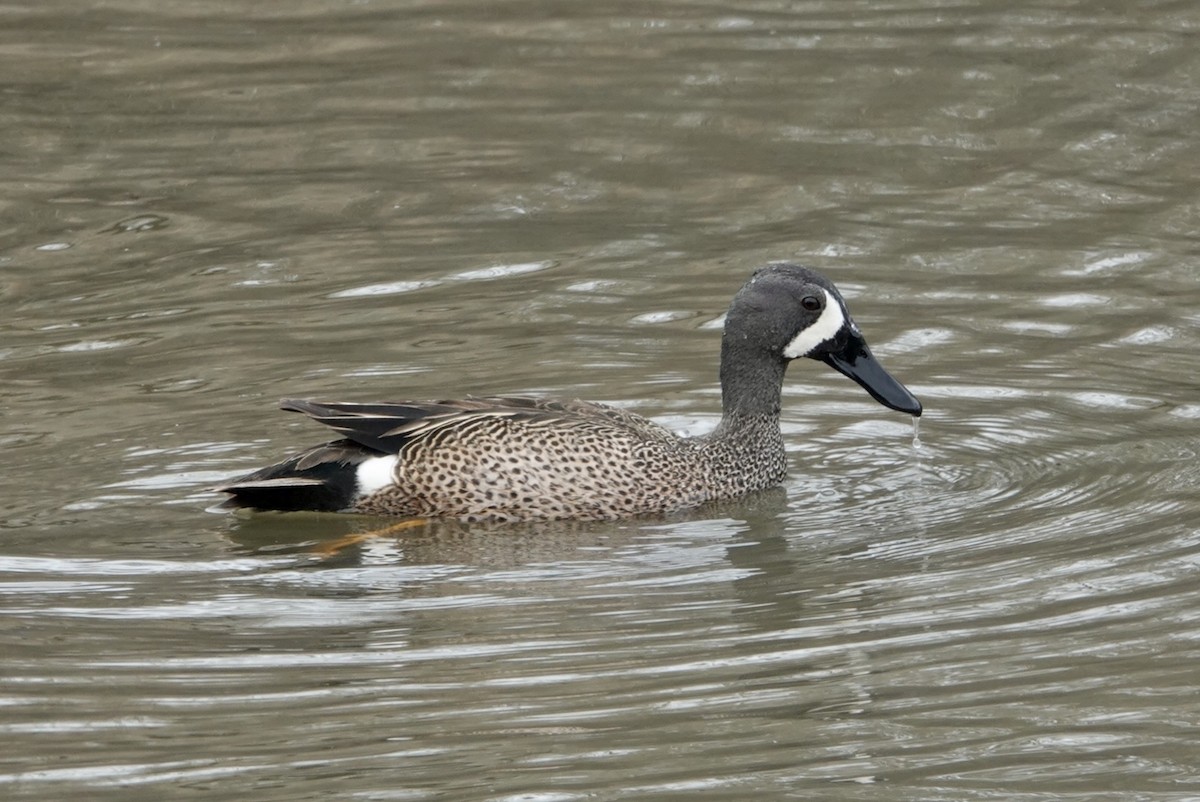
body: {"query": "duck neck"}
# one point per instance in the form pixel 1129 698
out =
pixel 751 383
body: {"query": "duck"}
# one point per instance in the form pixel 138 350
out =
pixel 520 458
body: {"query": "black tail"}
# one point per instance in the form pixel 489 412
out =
pixel 322 479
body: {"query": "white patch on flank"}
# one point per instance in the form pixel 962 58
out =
pixel 823 328
pixel 375 474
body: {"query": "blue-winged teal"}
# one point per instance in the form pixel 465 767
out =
pixel 510 458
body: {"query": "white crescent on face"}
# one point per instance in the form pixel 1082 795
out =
pixel 824 328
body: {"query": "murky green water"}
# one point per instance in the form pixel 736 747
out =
pixel 205 207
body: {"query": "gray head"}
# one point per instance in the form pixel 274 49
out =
pixel 786 311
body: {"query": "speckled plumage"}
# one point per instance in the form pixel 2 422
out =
pixel 580 460
pixel 516 458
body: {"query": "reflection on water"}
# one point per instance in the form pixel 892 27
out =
pixel 208 208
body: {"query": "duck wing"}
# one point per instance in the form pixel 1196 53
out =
pixel 389 427
pixel 584 410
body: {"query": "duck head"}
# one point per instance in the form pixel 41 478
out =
pixel 797 313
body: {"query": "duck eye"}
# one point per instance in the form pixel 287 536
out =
pixel 811 302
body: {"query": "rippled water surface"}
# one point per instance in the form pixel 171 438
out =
pixel 207 206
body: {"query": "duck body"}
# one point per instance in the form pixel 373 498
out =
pixel 512 458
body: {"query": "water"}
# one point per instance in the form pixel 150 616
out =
pixel 208 207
